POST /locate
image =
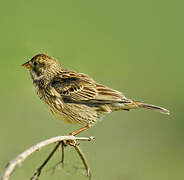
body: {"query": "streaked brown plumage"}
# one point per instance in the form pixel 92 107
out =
pixel 75 97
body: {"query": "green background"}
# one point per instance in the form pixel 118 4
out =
pixel 132 46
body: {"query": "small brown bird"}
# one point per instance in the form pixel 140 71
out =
pixel 75 97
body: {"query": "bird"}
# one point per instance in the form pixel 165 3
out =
pixel 74 97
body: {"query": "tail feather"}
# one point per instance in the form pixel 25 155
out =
pixel 137 104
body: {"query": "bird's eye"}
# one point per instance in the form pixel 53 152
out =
pixel 35 63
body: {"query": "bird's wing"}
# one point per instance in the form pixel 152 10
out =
pixel 78 87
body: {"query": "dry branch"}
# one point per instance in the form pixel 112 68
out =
pixel 21 157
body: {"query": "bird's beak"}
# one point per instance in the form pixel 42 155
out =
pixel 26 65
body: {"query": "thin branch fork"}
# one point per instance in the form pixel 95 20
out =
pixel 21 157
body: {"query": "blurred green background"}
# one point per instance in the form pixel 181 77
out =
pixel 132 46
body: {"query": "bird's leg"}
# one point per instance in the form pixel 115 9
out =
pixel 73 142
pixel 80 130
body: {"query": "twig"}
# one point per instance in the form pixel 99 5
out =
pixel 38 171
pixel 63 145
pixel 62 155
pixel 84 160
pixel 21 157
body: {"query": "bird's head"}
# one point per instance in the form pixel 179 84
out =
pixel 42 66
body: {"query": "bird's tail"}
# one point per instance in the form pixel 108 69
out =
pixel 137 104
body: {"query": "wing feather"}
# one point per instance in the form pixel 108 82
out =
pixel 78 87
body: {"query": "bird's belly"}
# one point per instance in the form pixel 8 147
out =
pixel 76 114
pixel 59 112
pixel 62 117
pixel 70 113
